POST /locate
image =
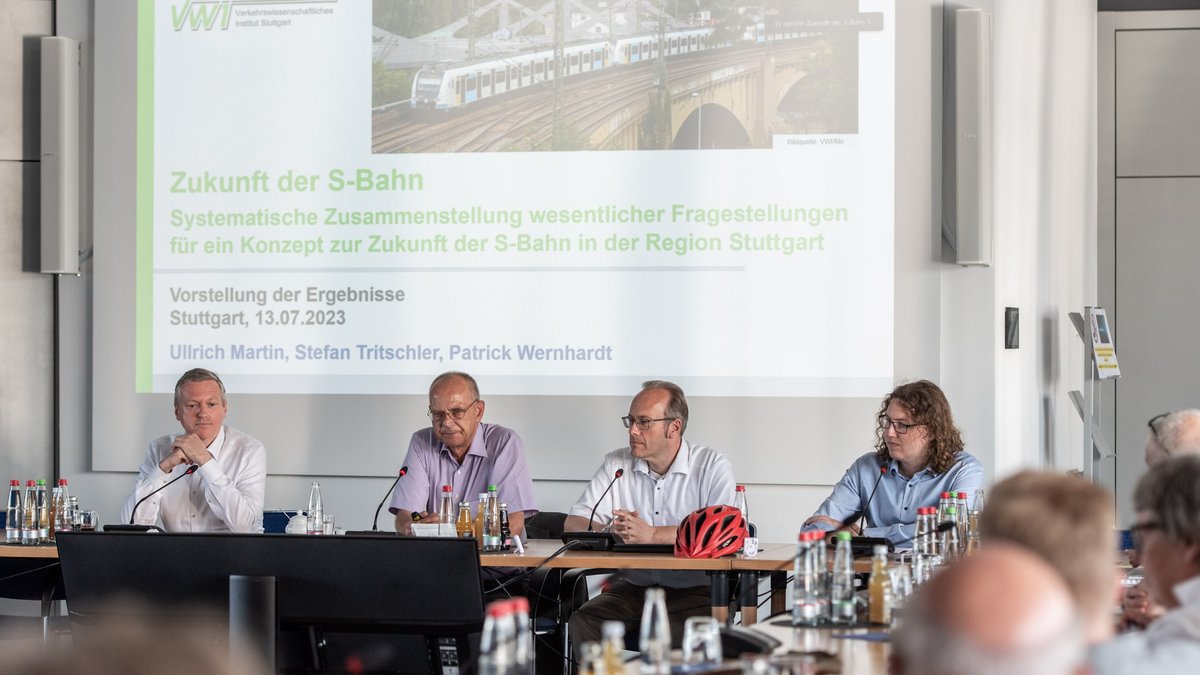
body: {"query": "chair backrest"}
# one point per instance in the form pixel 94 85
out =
pixel 545 525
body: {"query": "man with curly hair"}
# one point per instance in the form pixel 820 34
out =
pixel 918 455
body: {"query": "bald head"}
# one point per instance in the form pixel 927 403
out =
pixel 1172 435
pixel 1001 611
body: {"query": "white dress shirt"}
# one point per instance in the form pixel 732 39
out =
pixel 699 477
pixel 1170 644
pixel 226 494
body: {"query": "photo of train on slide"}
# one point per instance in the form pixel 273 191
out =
pixel 571 75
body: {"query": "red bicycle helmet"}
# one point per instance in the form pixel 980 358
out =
pixel 710 532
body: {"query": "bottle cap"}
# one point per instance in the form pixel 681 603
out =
pixel 14 482
pixel 447 488
pixel 741 488
pixel 613 630
pixel 491 488
pixel 499 608
pixel 843 536
pixel 945 495
pixel 62 481
pixel 520 603
pixel 962 495
pixel 41 482
pixel 880 549
pixel 30 483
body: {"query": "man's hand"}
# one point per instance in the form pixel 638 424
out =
pixel 823 520
pixel 193 449
pixel 629 526
pixel 1137 608
pixel 405 520
pixel 168 463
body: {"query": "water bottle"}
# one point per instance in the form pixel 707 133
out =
pixel 29 516
pixel 446 513
pixel 491 522
pixel 43 508
pixel 842 593
pixel 497 642
pixel 523 640
pixel 806 594
pixel 654 639
pixel 739 503
pixel 12 524
pixel 316 513
pixel 62 507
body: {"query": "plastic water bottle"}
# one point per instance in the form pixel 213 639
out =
pixel 316 512
pixel 43 509
pixel 806 593
pixel 12 524
pixel 654 639
pixel 523 636
pixel 842 593
pixel 29 516
pixel 497 642
pixel 446 513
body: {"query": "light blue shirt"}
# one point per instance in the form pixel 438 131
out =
pixel 892 513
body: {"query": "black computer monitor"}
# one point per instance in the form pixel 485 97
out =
pixel 347 584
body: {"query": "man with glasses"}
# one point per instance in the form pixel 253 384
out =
pixel 1170 435
pixel 1167 536
pixel 918 455
pixel 462 451
pixel 664 478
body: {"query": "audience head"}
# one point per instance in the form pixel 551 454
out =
pixel 931 431
pixel 1068 522
pixel 1167 531
pixel 1002 611
pixel 1173 434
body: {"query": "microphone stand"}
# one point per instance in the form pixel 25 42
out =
pixel 130 527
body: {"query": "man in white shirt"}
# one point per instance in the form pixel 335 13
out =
pixel 227 490
pixel 1167 537
pixel 665 478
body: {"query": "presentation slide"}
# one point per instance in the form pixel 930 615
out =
pixel 341 197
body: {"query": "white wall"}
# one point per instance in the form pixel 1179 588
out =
pixel 1011 405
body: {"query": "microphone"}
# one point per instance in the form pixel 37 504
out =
pixel 144 528
pixel 618 474
pixel 375 523
pixel 882 472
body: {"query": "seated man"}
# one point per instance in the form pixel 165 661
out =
pixel 1000 611
pixel 462 451
pixel 1167 537
pixel 918 455
pixel 665 478
pixel 226 493
pixel 1068 522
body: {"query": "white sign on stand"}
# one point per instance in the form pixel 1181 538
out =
pixel 1103 351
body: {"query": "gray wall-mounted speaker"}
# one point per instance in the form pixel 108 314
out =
pixel 967 155
pixel 60 155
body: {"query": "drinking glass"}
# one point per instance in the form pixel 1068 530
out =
pixel 701 641
pixel 91 520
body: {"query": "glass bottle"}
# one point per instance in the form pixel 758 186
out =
pixel 463 526
pixel 496 640
pixel 523 636
pixel 446 526
pixel 12 523
pixel 842 592
pixel 950 543
pixel 491 522
pixel 29 517
pixel 806 594
pixel 43 509
pixel 961 516
pixel 316 512
pixel 976 510
pixel 505 529
pixel 52 519
pixel 613 643
pixel 654 639
pixel 62 505
pixel 740 503
pixel 879 591
pixel 480 516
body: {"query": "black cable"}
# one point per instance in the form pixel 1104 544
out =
pixel 529 572
pixel 36 569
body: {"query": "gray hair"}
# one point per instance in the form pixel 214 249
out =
pixel 454 374
pixel 677 406
pixel 198 375
pixel 1171 491
pixel 927 646
pixel 1179 433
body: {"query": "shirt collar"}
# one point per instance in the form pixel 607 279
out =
pixel 894 467
pixel 1188 591
pixel 218 443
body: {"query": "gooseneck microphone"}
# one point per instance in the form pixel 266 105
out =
pixel 866 520
pixel 618 474
pixel 375 523
pixel 190 470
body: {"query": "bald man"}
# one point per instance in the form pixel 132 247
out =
pixel 1002 610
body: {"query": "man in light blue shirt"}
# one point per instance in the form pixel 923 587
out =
pixel 918 455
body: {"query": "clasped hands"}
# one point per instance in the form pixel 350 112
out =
pixel 630 527
pixel 185 449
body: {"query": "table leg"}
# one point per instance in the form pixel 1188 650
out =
pixel 720 596
pixel 748 597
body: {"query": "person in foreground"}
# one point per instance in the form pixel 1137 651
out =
pixel 464 452
pixel 1002 611
pixel 1171 435
pixel 664 479
pixel 918 455
pixel 1068 522
pixel 227 490
pixel 1167 537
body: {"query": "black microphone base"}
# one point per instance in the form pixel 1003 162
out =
pixel 125 527
pixel 589 541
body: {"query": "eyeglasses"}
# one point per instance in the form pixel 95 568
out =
pixel 643 423
pixel 900 427
pixel 454 413
pixel 1139 528
pixel 1153 423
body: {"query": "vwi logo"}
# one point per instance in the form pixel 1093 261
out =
pixel 202 14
